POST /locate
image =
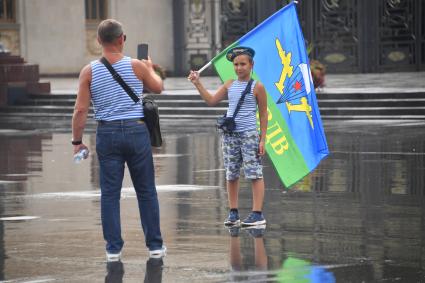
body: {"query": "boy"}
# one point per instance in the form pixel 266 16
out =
pixel 244 145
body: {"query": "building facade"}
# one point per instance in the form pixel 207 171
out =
pixel 354 36
pixel 60 35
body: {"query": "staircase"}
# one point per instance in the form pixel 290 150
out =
pixel 399 106
pixel 18 79
pixel 54 111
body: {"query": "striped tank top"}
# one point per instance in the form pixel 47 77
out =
pixel 110 101
pixel 246 119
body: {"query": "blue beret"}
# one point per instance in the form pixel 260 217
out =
pixel 239 50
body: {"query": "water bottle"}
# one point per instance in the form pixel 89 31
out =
pixel 82 154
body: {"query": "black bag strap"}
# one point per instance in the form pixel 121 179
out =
pixel 244 93
pixel 119 80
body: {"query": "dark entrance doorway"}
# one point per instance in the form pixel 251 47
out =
pixel 366 36
pixel 240 16
pixel 346 35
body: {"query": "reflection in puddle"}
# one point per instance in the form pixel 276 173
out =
pixel 183 188
pixel 8 182
pixel 18 218
pixel 125 192
pixel 168 155
pixel 360 215
pixel 208 170
pixel 251 268
pixel 32 280
pixel 381 153
pixel 20 175
pixel 298 270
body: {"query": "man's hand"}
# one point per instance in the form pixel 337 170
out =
pixel 149 64
pixel 79 147
pixel 146 73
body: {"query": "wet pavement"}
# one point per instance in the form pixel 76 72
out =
pixel 359 217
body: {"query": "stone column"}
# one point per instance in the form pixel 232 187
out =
pixel 53 32
pixel 199 28
pixel 9 35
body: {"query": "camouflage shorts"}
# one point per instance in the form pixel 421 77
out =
pixel 242 148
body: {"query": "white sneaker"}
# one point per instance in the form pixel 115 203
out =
pixel 158 253
pixel 113 257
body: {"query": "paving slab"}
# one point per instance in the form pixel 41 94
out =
pixel 359 217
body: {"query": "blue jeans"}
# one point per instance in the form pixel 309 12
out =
pixel 117 143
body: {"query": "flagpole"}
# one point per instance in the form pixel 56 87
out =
pixel 210 62
pixel 204 67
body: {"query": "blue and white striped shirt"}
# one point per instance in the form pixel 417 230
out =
pixel 246 119
pixel 110 101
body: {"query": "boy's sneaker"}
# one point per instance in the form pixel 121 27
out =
pixel 234 231
pixel 110 257
pixel 158 253
pixel 256 231
pixel 254 219
pixel 233 219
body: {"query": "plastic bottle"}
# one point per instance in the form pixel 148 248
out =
pixel 82 154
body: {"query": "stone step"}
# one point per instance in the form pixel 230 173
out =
pixel 407 102
pixel 22 109
pixel 53 96
pixel 19 73
pixel 47 101
pixel 165 103
pixel 369 95
pixel 180 106
pixel 6 59
pixel 165 95
pixel 69 109
pixel 39 115
pixel 61 121
pixel 373 117
pixel 190 95
pixel 360 111
pixel 324 107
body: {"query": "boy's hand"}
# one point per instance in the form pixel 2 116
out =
pixel 193 77
pixel 261 148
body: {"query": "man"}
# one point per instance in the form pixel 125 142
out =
pixel 122 137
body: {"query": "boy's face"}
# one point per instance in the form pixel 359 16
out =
pixel 242 65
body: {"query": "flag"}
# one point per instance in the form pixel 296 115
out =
pixel 296 142
pixel 295 270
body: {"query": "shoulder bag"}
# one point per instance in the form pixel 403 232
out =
pixel 150 108
pixel 227 124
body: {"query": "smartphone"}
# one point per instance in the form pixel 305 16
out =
pixel 142 51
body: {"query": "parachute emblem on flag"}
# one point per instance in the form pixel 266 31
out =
pixel 296 87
